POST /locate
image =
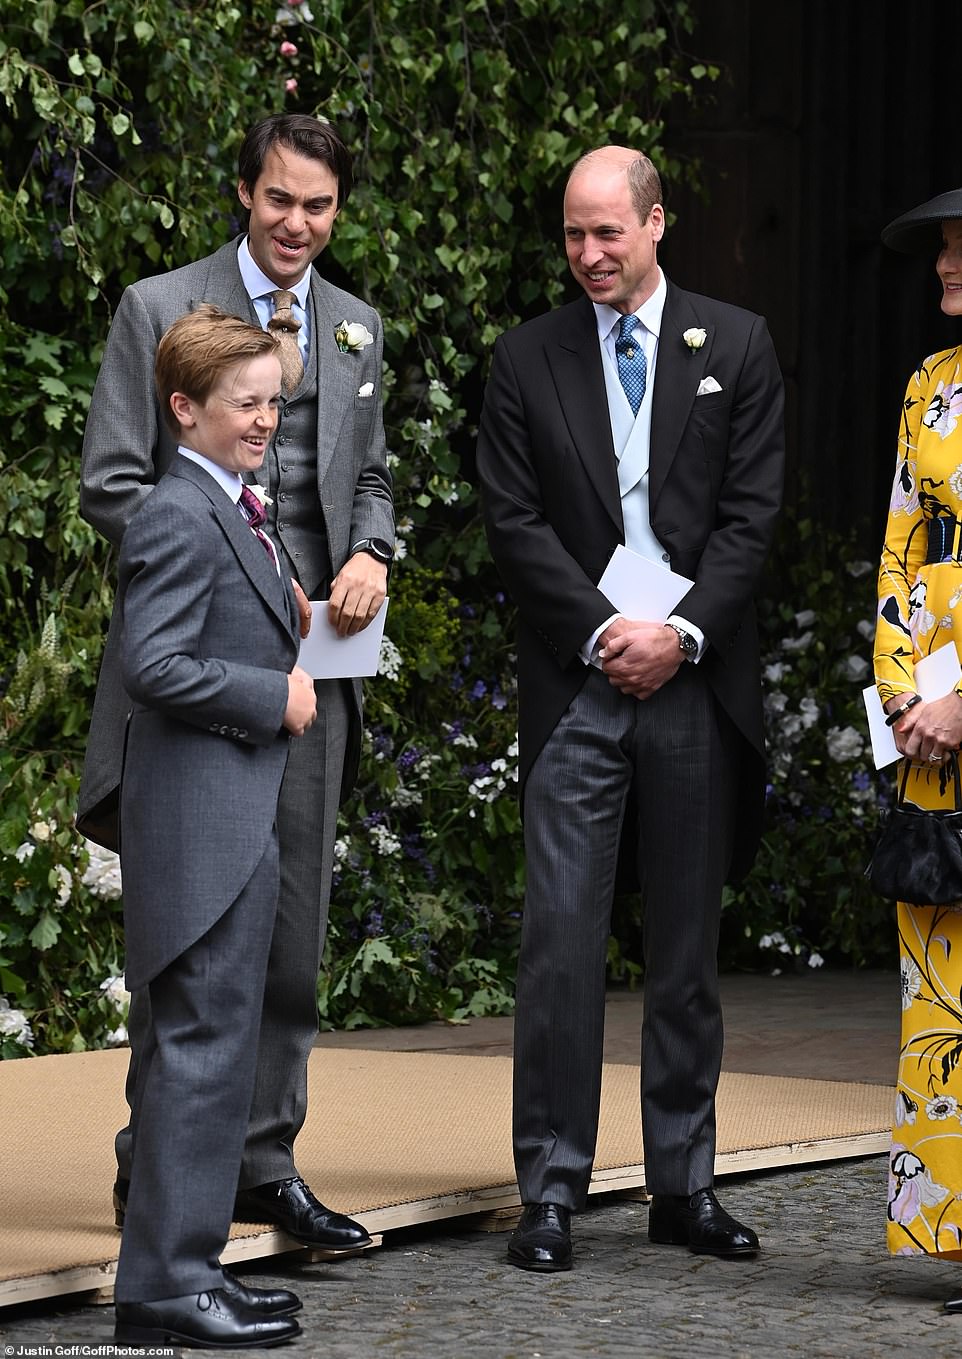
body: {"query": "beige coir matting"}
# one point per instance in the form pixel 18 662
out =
pixel 393 1138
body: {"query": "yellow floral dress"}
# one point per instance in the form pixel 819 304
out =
pixel 919 610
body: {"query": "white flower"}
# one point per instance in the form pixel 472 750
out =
pixel 366 388
pixel 24 852
pixel 66 884
pixel 406 797
pixel 351 336
pixel 910 981
pixel 117 1036
pixel 943 1106
pixel 854 667
pixel 866 629
pixel 14 1024
pixel 102 874
pixel 844 743
pixel 808 711
pixel 400 549
pixel 695 338
pixel 384 842
pixel 805 618
pixel 775 673
pixel 796 644
pixel 41 831
pixel 905 1109
pixel 858 569
pixel 341 848
pixel 261 493
pixel 815 960
pixel 404 526
pixel 115 989
pixel 389 662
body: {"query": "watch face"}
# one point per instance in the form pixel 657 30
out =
pixel 382 549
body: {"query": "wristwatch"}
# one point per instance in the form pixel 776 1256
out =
pixel 378 548
pixel 687 643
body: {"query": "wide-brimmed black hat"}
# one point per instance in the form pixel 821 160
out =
pixel 917 232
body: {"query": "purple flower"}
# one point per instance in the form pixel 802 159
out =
pixel 409 758
pixel 374 925
pixel 498 699
pixel 479 689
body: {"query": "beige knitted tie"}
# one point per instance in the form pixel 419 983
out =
pixel 285 325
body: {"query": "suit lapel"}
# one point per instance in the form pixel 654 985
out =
pixel 224 286
pixel 337 373
pixel 574 358
pixel 251 555
pixel 678 372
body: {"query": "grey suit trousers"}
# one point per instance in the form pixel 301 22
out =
pixel 676 752
pixel 306 829
pixel 194 1080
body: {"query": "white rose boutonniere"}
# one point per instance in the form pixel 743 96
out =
pixel 695 338
pixel 261 493
pixel 351 336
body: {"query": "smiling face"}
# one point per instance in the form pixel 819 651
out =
pixel 948 266
pixel 292 206
pixel 233 425
pixel 611 253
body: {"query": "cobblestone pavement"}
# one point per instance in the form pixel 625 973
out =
pixel 824 1287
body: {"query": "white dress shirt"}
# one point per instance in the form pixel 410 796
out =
pixel 631 436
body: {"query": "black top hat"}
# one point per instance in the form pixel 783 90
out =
pixel 917 232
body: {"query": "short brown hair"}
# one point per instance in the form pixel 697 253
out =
pixel 200 346
pixel 315 138
pixel 644 182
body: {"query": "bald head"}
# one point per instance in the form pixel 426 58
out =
pixel 644 184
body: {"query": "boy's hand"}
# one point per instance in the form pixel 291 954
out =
pixel 301 702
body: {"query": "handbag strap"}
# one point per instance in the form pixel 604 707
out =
pixel 957 779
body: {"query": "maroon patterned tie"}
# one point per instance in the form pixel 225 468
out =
pixel 256 517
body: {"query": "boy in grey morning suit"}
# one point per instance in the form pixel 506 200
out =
pixel 331 519
pixel 209 657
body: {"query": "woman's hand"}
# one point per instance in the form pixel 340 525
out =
pixel 929 732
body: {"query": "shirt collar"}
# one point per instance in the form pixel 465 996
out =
pixel 649 313
pixel 231 482
pixel 259 285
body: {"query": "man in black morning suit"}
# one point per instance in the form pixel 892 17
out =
pixel 644 415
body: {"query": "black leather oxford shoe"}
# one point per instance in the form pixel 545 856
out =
pixel 208 1321
pixel 542 1239
pixel 275 1302
pixel 291 1205
pixel 700 1223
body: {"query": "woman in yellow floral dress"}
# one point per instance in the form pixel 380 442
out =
pixel 919 610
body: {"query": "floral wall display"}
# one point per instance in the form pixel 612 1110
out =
pixel 121 127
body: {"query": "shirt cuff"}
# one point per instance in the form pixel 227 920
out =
pixel 697 633
pixel 589 651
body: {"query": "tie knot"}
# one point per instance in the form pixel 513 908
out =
pixel 256 514
pixel 283 318
pixel 626 327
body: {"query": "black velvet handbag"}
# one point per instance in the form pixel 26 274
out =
pixel 918 853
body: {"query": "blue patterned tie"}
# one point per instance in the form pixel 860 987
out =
pixel 632 364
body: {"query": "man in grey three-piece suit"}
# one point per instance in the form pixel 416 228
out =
pixel 331 519
pixel 643 416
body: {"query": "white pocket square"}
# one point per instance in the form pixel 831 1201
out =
pixel 707 385
pixel 367 389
